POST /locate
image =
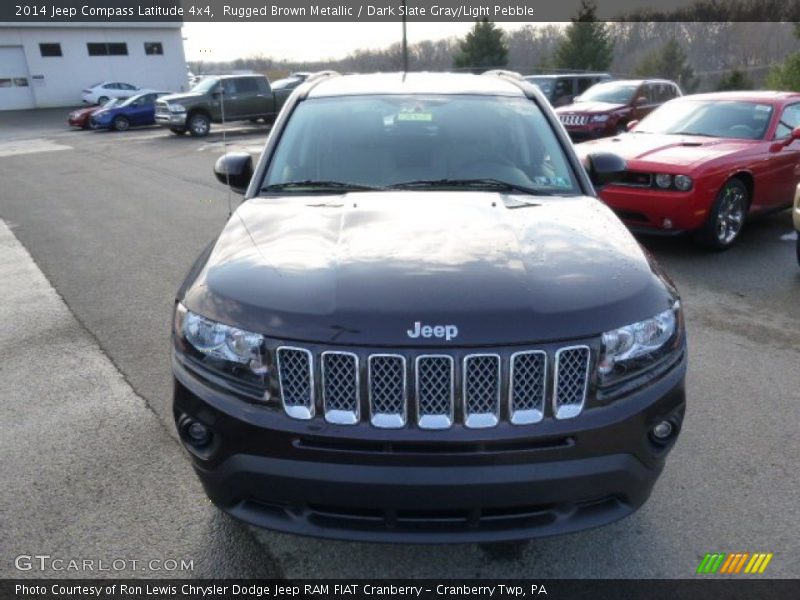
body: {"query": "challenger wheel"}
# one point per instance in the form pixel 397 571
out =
pixel 199 125
pixel 120 123
pixel 727 217
pixel 102 100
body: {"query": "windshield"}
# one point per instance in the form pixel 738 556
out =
pixel 205 85
pixel 112 102
pixel 431 141
pixel 613 93
pixel 714 118
pixel 131 100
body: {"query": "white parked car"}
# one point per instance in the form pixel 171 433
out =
pixel 99 93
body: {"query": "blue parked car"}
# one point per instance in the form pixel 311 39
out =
pixel 136 110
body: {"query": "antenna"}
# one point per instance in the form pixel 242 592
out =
pixel 405 42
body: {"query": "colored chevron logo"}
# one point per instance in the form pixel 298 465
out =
pixel 734 564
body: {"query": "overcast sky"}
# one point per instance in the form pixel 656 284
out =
pixel 306 41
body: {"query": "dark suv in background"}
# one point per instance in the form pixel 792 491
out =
pixel 562 89
pixel 220 99
pixel 422 325
pixel 606 108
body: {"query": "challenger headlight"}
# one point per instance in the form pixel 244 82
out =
pixel 222 349
pixel 663 181
pixel 600 118
pixel 632 349
pixel 176 108
pixel 683 182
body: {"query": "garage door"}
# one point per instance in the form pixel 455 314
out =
pixel 15 82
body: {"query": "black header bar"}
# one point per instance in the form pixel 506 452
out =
pixel 234 11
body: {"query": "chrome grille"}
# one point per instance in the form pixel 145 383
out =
pixel 574 119
pixel 434 391
pixel 520 395
pixel 296 378
pixel 387 390
pixel 340 387
pixel 572 372
pixel 527 388
pixel 481 390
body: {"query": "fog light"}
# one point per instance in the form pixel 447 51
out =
pixel 662 430
pixel 195 433
pixel 666 223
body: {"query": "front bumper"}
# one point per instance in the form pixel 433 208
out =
pixel 171 119
pixel 583 133
pixel 652 211
pixel 362 483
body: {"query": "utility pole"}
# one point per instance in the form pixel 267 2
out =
pixel 405 41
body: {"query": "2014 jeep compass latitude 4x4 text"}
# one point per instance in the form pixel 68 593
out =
pixel 422 326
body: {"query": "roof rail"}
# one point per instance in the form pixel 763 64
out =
pixel 315 79
pixel 515 78
pixel 321 74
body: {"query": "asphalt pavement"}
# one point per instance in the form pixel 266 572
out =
pixel 113 222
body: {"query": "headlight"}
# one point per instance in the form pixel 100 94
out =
pixel 226 350
pixel 176 108
pixel 630 350
pixel 600 118
pixel 663 180
pixel 683 182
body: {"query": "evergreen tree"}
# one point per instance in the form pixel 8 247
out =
pixel 587 44
pixel 482 48
pixel 734 80
pixel 669 62
pixel 786 76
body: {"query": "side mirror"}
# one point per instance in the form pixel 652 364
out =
pixel 641 101
pixel 604 168
pixel 235 169
pixel 795 135
pixel 631 125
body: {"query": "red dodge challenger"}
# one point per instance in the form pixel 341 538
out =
pixel 703 163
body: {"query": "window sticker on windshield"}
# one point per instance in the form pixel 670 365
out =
pixel 763 107
pixel 560 182
pixel 414 116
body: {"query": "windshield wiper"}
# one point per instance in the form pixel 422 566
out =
pixel 483 182
pixel 316 185
pixel 695 133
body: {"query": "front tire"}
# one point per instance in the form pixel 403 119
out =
pixel 199 125
pixel 121 123
pixel 726 219
pixel 102 100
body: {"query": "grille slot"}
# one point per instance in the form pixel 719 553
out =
pixel 574 119
pixel 435 390
pixel 481 390
pixel 387 390
pixel 296 380
pixel 340 388
pixel 571 375
pixel 527 387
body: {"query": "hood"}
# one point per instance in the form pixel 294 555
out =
pixel 363 268
pixel 588 107
pixel 678 150
pixel 179 97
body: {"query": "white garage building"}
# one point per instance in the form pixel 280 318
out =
pixel 46 65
